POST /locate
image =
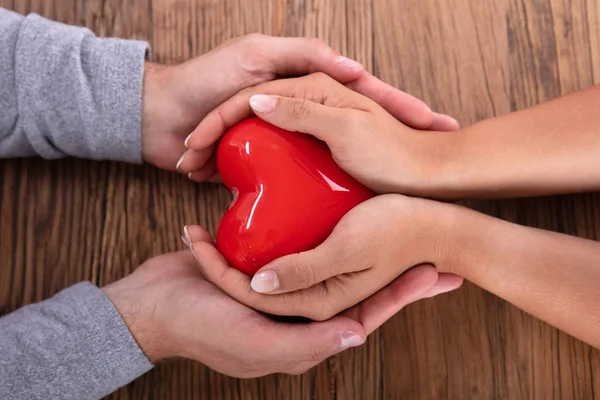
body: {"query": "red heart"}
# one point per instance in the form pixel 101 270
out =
pixel 288 194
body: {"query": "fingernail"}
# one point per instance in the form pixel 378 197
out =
pixel 186 239
pixel 262 103
pixel 193 252
pixel 185 242
pixel 348 63
pixel 351 339
pixel 181 160
pixel 265 282
pixel 190 175
pixel 187 140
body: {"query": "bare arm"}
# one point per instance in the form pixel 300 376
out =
pixel 552 276
pixel 548 149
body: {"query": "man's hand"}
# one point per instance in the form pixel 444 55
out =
pixel 177 98
pixel 365 140
pixel 372 245
pixel 173 311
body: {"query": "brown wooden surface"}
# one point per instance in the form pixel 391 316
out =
pixel 67 221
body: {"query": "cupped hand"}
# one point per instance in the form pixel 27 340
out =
pixel 372 245
pixel 365 135
pixel 176 98
pixel 172 310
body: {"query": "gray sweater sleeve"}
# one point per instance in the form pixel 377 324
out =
pixel 65 92
pixel 72 346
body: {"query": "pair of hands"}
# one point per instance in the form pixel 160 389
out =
pixel 375 242
pixel 173 310
pixel 171 306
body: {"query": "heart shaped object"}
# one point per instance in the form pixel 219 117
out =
pixel 288 194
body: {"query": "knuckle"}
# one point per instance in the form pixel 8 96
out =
pixel 317 303
pixel 304 275
pixel 349 237
pixel 301 108
pixel 355 121
pixel 323 312
pixel 342 286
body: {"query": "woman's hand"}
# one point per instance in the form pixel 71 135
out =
pixel 554 277
pixel 176 98
pixel 366 141
pixel 173 311
pixel 371 245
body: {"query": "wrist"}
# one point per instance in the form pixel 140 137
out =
pixel 157 107
pixel 136 308
pixel 440 165
pixel 434 231
pixel 460 238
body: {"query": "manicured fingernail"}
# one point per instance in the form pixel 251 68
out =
pixel 181 160
pixel 348 63
pixel 265 282
pixel 186 142
pixel 190 175
pixel 194 252
pixel 186 239
pixel 262 103
pixel 185 242
pixel 351 339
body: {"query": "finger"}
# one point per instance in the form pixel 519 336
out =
pixel 302 56
pixel 443 123
pixel 406 108
pixel 207 172
pixel 387 302
pixel 285 57
pixel 314 342
pixel 197 233
pixel 445 283
pixel 302 115
pixel 193 160
pixel 216 123
pixel 301 271
pixel 318 88
pixel 237 285
pixel 216 269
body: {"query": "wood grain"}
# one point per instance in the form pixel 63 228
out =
pixel 72 220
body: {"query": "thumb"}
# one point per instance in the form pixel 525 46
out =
pixel 302 115
pixel 302 270
pixel 317 341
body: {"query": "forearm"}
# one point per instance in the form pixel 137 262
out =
pixel 548 149
pixel 554 277
pixel 64 92
pixel 74 345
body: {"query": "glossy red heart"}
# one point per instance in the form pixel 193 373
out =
pixel 288 194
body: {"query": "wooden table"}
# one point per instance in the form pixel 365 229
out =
pixel 67 221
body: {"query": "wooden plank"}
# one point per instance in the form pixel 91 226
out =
pixel 472 59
